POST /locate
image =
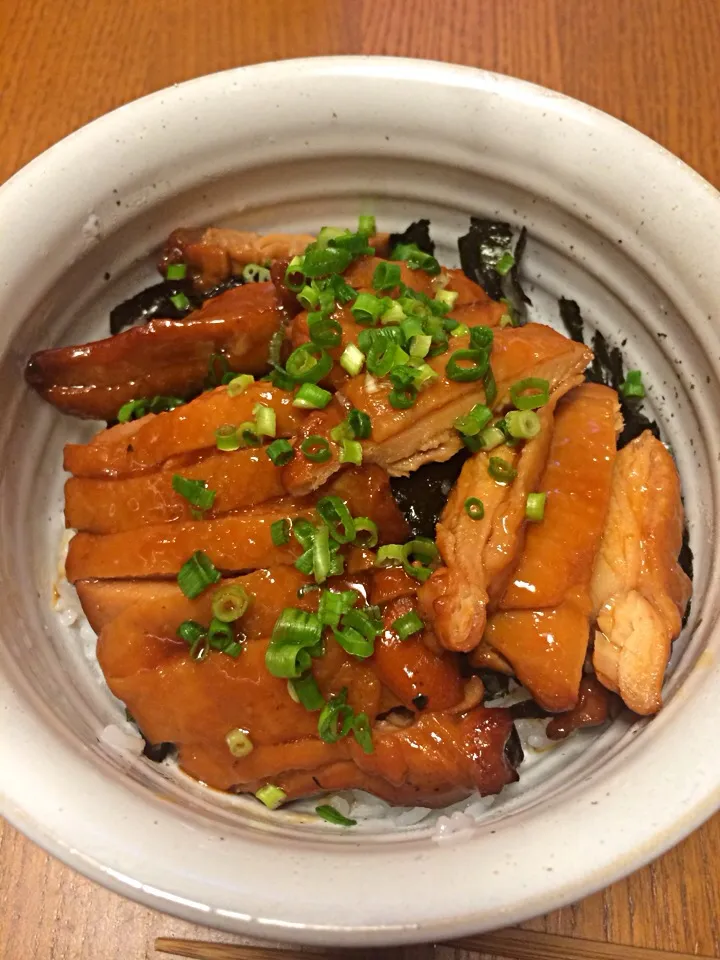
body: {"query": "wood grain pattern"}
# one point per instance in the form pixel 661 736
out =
pixel 651 62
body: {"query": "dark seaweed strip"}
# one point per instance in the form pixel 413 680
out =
pixel 513 749
pixel 155 301
pixel 572 318
pixel 481 248
pixel 608 368
pixel 418 233
pixel 422 496
pixel 157 752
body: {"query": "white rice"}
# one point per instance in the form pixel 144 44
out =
pixel 452 821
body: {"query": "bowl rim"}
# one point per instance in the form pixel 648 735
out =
pixel 102 860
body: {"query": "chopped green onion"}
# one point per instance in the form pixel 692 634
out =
pixel 491 438
pixel 230 602
pixel 500 470
pixel 311 397
pixel 324 331
pixel 180 301
pixel 326 812
pixel 408 624
pixel 295 634
pixel 280 379
pixel 271 796
pixel 505 264
pixel 392 554
pixel 354 643
pixel 308 364
pixel 280 452
pixel 196 492
pixel 633 385
pixel 366 224
pixel 195 636
pixel 461 330
pixel 416 258
pixel 239 743
pixel 196 574
pixel 340 432
pixel 220 634
pixel 420 346
pixel 360 424
pixel 447 297
pixel 481 337
pixel 474 508
pixel 321 554
pixel 506 321
pixel 306 691
pixel 333 605
pixel 393 313
pixel 335 515
pixel 134 409
pixel 304 532
pixel 362 733
pixel 316 449
pixel 472 423
pixel 265 420
pixel 478 359
pixel 530 401
pixel 367 309
pixel 523 424
pixel 294 274
pixel 227 437
pixel 326 234
pixel 412 327
pixel 535 506
pixel 352 359
pixel 336 718
pixel 239 384
pixel 402 398
pixel 386 276
pixel 255 273
pixel 176 271
pixel 340 290
pixel 383 356
pixel 369 527
pixel 351 452
pixel 309 297
pixel 319 263
pixel 280 532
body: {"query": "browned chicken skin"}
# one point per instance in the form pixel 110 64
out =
pixel 163 357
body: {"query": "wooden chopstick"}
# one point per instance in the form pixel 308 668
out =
pixel 507 944
pixel 528 945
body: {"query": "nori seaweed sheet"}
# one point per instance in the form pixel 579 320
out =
pixel 155 301
pixel 481 248
pixel 418 233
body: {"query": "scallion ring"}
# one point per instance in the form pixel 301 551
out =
pixel 308 364
pixel 530 401
pixel 500 470
pixel 523 424
pixel 335 515
pixel 315 448
pixel 408 624
pixel 535 506
pixel 479 360
pixel 197 574
pixel 230 602
pixel 474 508
pixel 280 452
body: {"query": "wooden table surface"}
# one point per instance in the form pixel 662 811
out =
pixel 654 63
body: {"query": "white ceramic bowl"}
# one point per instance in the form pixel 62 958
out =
pixel 616 222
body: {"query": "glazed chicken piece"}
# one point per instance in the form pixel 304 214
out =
pixel 240 479
pixel 592 710
pixel 216 253
pixel 163 357
pixel 234 542
pixel 437 760
pixel 403 440
pixel 146 444
pixel 196 704
pixel 639 592
pixel 477 553
pixel 542 624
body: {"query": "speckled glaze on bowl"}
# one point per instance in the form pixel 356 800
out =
pixel 616 222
